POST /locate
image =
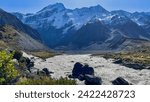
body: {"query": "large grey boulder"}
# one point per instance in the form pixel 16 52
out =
pixel 92 80
pixel 87 70
pixel 79 69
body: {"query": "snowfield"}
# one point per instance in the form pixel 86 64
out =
pixel 62 65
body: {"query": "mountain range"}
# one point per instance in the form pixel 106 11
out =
pixel 87 28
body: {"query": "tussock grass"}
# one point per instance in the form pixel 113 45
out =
pixel 136 57
pixel 43 54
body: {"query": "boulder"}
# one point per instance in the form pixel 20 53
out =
pixel 92 80
pixel 17 55
pixel 28 60
pixel 29 63
pixel 120 81
pixel 79 69
pixel 81 77
pixel 46 71
pixel 87 70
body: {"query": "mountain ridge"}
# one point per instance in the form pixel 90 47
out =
pixel 59 26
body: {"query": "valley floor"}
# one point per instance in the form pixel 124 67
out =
pixel 62 65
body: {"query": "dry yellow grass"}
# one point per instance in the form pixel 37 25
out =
pixel 43 54
pixel 3 44
pixel 137 57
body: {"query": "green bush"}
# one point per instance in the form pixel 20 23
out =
pixel 7 68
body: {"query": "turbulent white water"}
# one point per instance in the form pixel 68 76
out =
pixel 62 65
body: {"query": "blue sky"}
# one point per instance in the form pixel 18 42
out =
pixel 29 6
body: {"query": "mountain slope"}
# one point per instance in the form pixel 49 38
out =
pixel 129 28
pixel 15 34
pixel 91 33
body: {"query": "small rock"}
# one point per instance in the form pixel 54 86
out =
pixel 118 61
pixel 72 61
pixel 32 58
pixel 46 71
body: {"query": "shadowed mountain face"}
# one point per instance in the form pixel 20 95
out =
pixel 15 34
pixel 90 33
pixel 9 19
pixel 93 27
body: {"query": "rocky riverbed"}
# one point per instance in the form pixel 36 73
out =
pixel 62 66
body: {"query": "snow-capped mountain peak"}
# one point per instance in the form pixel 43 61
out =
pixel 98 8
pixel 54 7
